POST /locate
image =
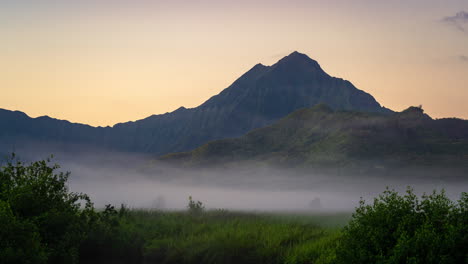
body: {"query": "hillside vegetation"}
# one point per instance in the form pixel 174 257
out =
pixel 323 137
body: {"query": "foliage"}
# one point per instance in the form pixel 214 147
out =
pixel 19 239
pixel 111 238
pixel 195 207
pixel 41 220
pixel 405 229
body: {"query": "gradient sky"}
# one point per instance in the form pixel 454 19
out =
pixel 102 62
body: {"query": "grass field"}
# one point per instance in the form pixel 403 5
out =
pixel 218 236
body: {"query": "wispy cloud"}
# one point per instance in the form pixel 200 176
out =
pixel 459 21
pixel 463 58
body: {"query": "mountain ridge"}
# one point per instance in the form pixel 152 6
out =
pixel 321 137
pixel 258 98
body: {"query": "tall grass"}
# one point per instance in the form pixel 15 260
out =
pixel 222 236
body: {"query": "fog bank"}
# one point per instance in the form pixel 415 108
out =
pixel 135 180
pixel 119 180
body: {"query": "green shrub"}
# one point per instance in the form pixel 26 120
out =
pixel 404 229
pixel 41 220
pixel 20 241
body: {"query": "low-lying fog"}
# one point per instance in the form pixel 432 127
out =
pixel 117 178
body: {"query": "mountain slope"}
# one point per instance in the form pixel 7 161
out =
pixel 322 137
pixel 258 98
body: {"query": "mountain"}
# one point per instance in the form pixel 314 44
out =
pixel 258 98
pixel 323 137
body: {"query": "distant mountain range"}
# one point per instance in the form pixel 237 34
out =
pixel 258 98
pixel 323 137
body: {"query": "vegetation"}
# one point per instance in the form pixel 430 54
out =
pixel 195 207
pixel 220 236
pixel 320 137
pixel 42 222
pixel 404 229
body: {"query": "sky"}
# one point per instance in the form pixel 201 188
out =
pixel 102 62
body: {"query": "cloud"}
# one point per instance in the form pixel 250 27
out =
pixel 459 21
pixel 463 58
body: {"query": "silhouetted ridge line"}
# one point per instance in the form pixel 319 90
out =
pixel 261 96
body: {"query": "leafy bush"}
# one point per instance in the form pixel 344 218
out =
pixel 404 229
pixel 20 241
pixel 40 219
pixel 42 222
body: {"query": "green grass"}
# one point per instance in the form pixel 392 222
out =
pixel 221 236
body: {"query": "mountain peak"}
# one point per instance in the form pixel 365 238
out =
pixel 299 61
pixel 298 54
pixel 297 57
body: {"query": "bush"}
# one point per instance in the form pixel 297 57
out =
pixel 40 219
pixel 20 241
pixel 195 207
pixel 42 222
pixel 404 229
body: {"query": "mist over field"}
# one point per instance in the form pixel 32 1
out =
pixel 116 178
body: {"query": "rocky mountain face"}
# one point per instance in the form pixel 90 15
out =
pixel 258 98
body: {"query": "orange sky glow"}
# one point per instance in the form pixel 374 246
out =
pixel 104 64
